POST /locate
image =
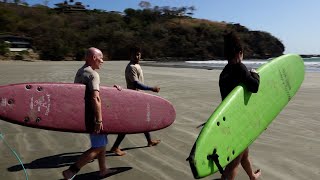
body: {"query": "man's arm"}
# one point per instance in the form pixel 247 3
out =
pixel 142 86
pixel 251 79
pixel 131 72
pixel 96 101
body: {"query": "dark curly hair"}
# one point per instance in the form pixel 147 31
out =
pixel 232 45
pixel 134 50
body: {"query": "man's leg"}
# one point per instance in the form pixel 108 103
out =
pixel 246 164
pixel 115 148
pixel 102 163
pixel 98 144
pixel 150 141
pixel 231 169
pixel 86 157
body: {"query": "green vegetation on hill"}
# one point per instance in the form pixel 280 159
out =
pixel 160 31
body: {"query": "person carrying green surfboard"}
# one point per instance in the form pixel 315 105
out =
pixel 233 74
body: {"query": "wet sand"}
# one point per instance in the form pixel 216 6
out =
pixel 288 149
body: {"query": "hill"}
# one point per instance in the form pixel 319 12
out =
pixel 161 32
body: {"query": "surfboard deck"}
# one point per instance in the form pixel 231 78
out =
pixel 61 107
pixel 242 116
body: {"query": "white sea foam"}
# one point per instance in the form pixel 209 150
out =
pixel 311 64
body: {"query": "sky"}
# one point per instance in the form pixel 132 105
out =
pixel 294 22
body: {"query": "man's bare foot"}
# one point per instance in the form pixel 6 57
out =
pixel 118 151
pixel 106 171
pixel 68 175
pixel 154 142
pixel 256 175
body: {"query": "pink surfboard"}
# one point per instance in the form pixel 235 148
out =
pixel 61 107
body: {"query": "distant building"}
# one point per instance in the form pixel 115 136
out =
pixel 65 7
pixel 117 12
pixel 17 43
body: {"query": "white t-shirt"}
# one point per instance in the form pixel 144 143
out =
pixel 133 73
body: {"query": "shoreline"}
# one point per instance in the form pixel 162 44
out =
pixel 175 64
pixel 311 66
pixel 172 64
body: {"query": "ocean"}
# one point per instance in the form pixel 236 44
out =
pixel 311 64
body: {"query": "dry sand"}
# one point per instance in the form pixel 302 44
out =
pixel 288 149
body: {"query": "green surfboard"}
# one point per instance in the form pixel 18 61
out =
pixel 242 116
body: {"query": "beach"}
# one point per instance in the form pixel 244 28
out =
pixel 288 149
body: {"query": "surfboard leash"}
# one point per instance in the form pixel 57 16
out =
pixel 15 154
pixel 215 158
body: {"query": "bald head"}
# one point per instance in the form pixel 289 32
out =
pixel 94 58
pixel 92 52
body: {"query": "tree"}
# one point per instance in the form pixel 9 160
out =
pixel 4 48
pixel 145 4
pixel 46 2
pixel 191 9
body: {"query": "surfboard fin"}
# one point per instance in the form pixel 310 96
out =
pixel 201 125
pixel 215 158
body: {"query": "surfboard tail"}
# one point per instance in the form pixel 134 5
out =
pixel 192 162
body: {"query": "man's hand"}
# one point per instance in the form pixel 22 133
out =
pixel 98 127
pixel 156 89
pixel 254 71
pixel 118 87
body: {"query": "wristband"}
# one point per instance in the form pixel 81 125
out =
pixel 98 122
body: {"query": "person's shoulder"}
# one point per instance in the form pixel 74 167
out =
pixel 242 66
pixel 89 69
pixel 227 67
pixel 92 73
pixel 225 71
pixel 132 66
